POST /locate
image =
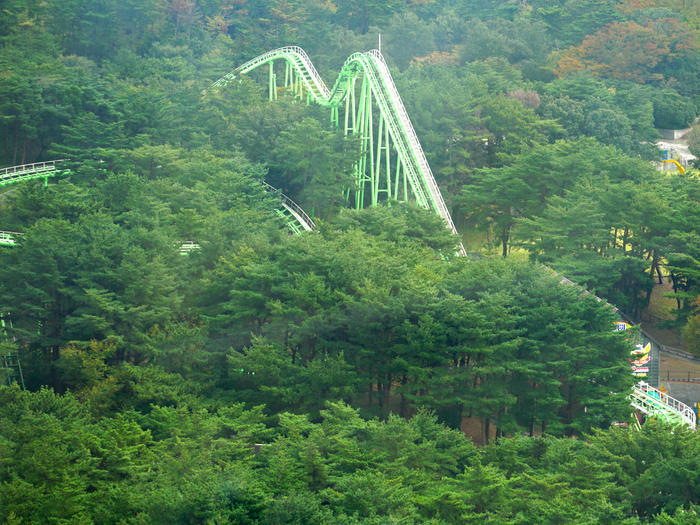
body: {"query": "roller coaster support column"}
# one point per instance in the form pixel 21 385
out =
pixel 272 83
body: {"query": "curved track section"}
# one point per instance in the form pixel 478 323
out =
pixel 392 163
pixel 295 217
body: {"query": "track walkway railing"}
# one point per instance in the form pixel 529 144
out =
pixel 8 238
pixel 296 217
pixel 654 403
pixel 23 172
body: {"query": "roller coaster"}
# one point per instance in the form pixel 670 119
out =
pixel 394 142
pixel 35 170
pixel 657 404
pixel 295 218
pixel 363 83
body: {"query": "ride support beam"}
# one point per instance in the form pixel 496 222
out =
pixel 270 87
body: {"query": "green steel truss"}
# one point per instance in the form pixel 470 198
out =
pixel 393 143
pixel 659 405
pixel 21 173
pixel 10 364
pixel 295 218
pixel 35 170
pixel 11 370
pixel 392 165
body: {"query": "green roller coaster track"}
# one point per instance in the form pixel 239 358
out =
pixel 35 170
pixel 657 404
pixel 392 165
pixel 25 172
pixel 395 141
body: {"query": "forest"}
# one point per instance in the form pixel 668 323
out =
pixel 329 377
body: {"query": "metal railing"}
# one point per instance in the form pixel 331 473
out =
pixel 24 172
pixel 34 167
pixel 297 211
pixel 293 54
pixel 677 352
pixel 9 238
pixel 311 69
pixel 655 403
pixel 188 247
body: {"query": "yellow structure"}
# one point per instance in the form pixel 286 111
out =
pixel 681 169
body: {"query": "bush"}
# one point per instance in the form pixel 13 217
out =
pixel 673 111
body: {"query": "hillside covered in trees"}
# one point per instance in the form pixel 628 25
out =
pixel 327 377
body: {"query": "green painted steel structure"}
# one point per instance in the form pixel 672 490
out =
pixel 11 370
pixel 9 238
pixel 295 218
pixel 392 165
pixel 35 170
pixel 10 364
pixel 654 403
pixel 25 172
pixel 393 143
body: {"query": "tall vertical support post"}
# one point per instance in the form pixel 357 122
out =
pixel 346 117
pixel 378 163
pixel 350 125
pixel 354 106
pixel 270 81
pixel 370 134
pixel 300 85
pixel 19 372
pixel 405 184
pixel 287 67
pixel 396 178
pixel 361 126
pixel 388 164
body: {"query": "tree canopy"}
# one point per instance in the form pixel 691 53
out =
pixel 363 372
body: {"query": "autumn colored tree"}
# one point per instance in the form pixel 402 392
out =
pixel 628 50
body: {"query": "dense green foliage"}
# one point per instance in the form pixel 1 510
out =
pixel 181 464
pixel 352 356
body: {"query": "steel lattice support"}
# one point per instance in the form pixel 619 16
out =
pixel 35 170
pixel 392 165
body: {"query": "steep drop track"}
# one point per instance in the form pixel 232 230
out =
pixel 392 164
